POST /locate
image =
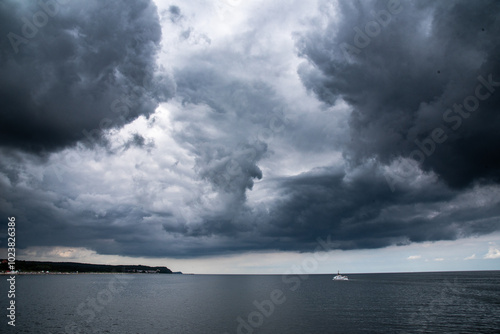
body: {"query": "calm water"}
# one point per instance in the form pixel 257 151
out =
pixel 465 302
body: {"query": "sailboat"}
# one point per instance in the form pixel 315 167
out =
pixel 340 277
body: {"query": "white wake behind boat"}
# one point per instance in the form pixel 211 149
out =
pixel 339 277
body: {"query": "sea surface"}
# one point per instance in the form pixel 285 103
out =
pixel 450 302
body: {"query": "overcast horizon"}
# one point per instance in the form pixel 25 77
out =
pixel 252 137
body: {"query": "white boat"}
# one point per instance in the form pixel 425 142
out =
pixel 340 277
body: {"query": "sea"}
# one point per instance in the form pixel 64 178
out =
pixel 437 302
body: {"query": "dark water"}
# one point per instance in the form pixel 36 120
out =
pixel 464 302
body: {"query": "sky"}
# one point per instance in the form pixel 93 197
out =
pixel 248 137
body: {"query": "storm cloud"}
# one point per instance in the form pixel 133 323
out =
pixel 70 70
pixel 194 129
pixel 407 69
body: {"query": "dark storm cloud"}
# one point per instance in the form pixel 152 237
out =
pixel 93 220
pixel 69 70
pixel 364 213
pixel 357 213
pixel 399 86
pixel 402 66
pixel 181 184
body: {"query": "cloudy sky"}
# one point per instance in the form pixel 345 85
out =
pixel 231 136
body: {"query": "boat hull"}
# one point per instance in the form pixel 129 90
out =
pixel 340 278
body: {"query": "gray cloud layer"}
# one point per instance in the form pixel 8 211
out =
pixel 197 184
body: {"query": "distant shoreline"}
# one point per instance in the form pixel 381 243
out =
pixel 48 268
pixel 80 273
